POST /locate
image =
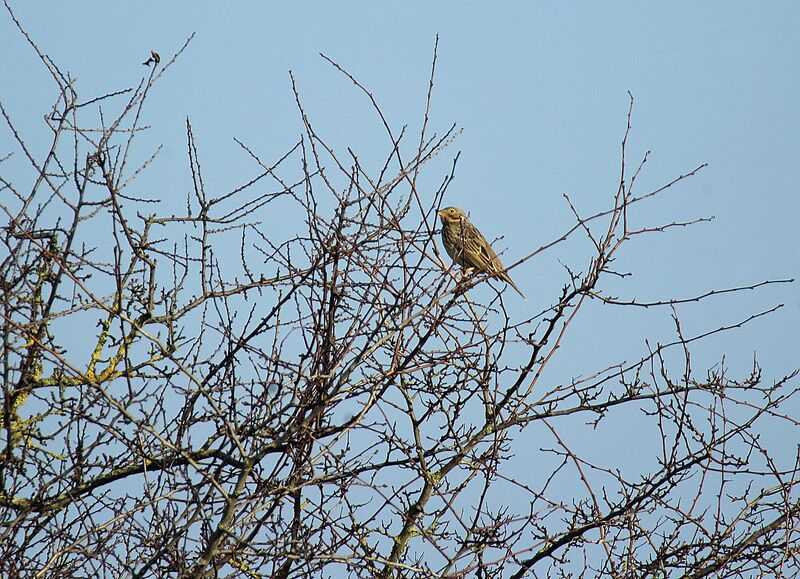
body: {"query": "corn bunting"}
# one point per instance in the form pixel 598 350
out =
pixel 468 248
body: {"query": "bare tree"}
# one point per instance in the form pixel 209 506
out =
pixel 341 402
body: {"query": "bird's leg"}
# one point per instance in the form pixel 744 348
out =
pixel 466 274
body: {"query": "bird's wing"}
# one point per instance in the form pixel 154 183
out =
pixel 481 255
pixel 478 251
pixel 485 255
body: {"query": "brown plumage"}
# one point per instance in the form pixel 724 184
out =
pixel 468 248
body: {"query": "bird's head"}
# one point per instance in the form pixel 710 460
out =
pixel 451 214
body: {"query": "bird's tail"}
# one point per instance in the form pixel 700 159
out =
pixel 507 279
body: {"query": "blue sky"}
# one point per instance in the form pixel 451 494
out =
pixel 541 92
pixel 540 89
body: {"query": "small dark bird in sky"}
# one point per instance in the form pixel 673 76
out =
pixel 154 58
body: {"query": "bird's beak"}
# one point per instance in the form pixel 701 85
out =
pixel 440 213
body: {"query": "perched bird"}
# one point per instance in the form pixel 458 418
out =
pixel 468 248
pixel 155 58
